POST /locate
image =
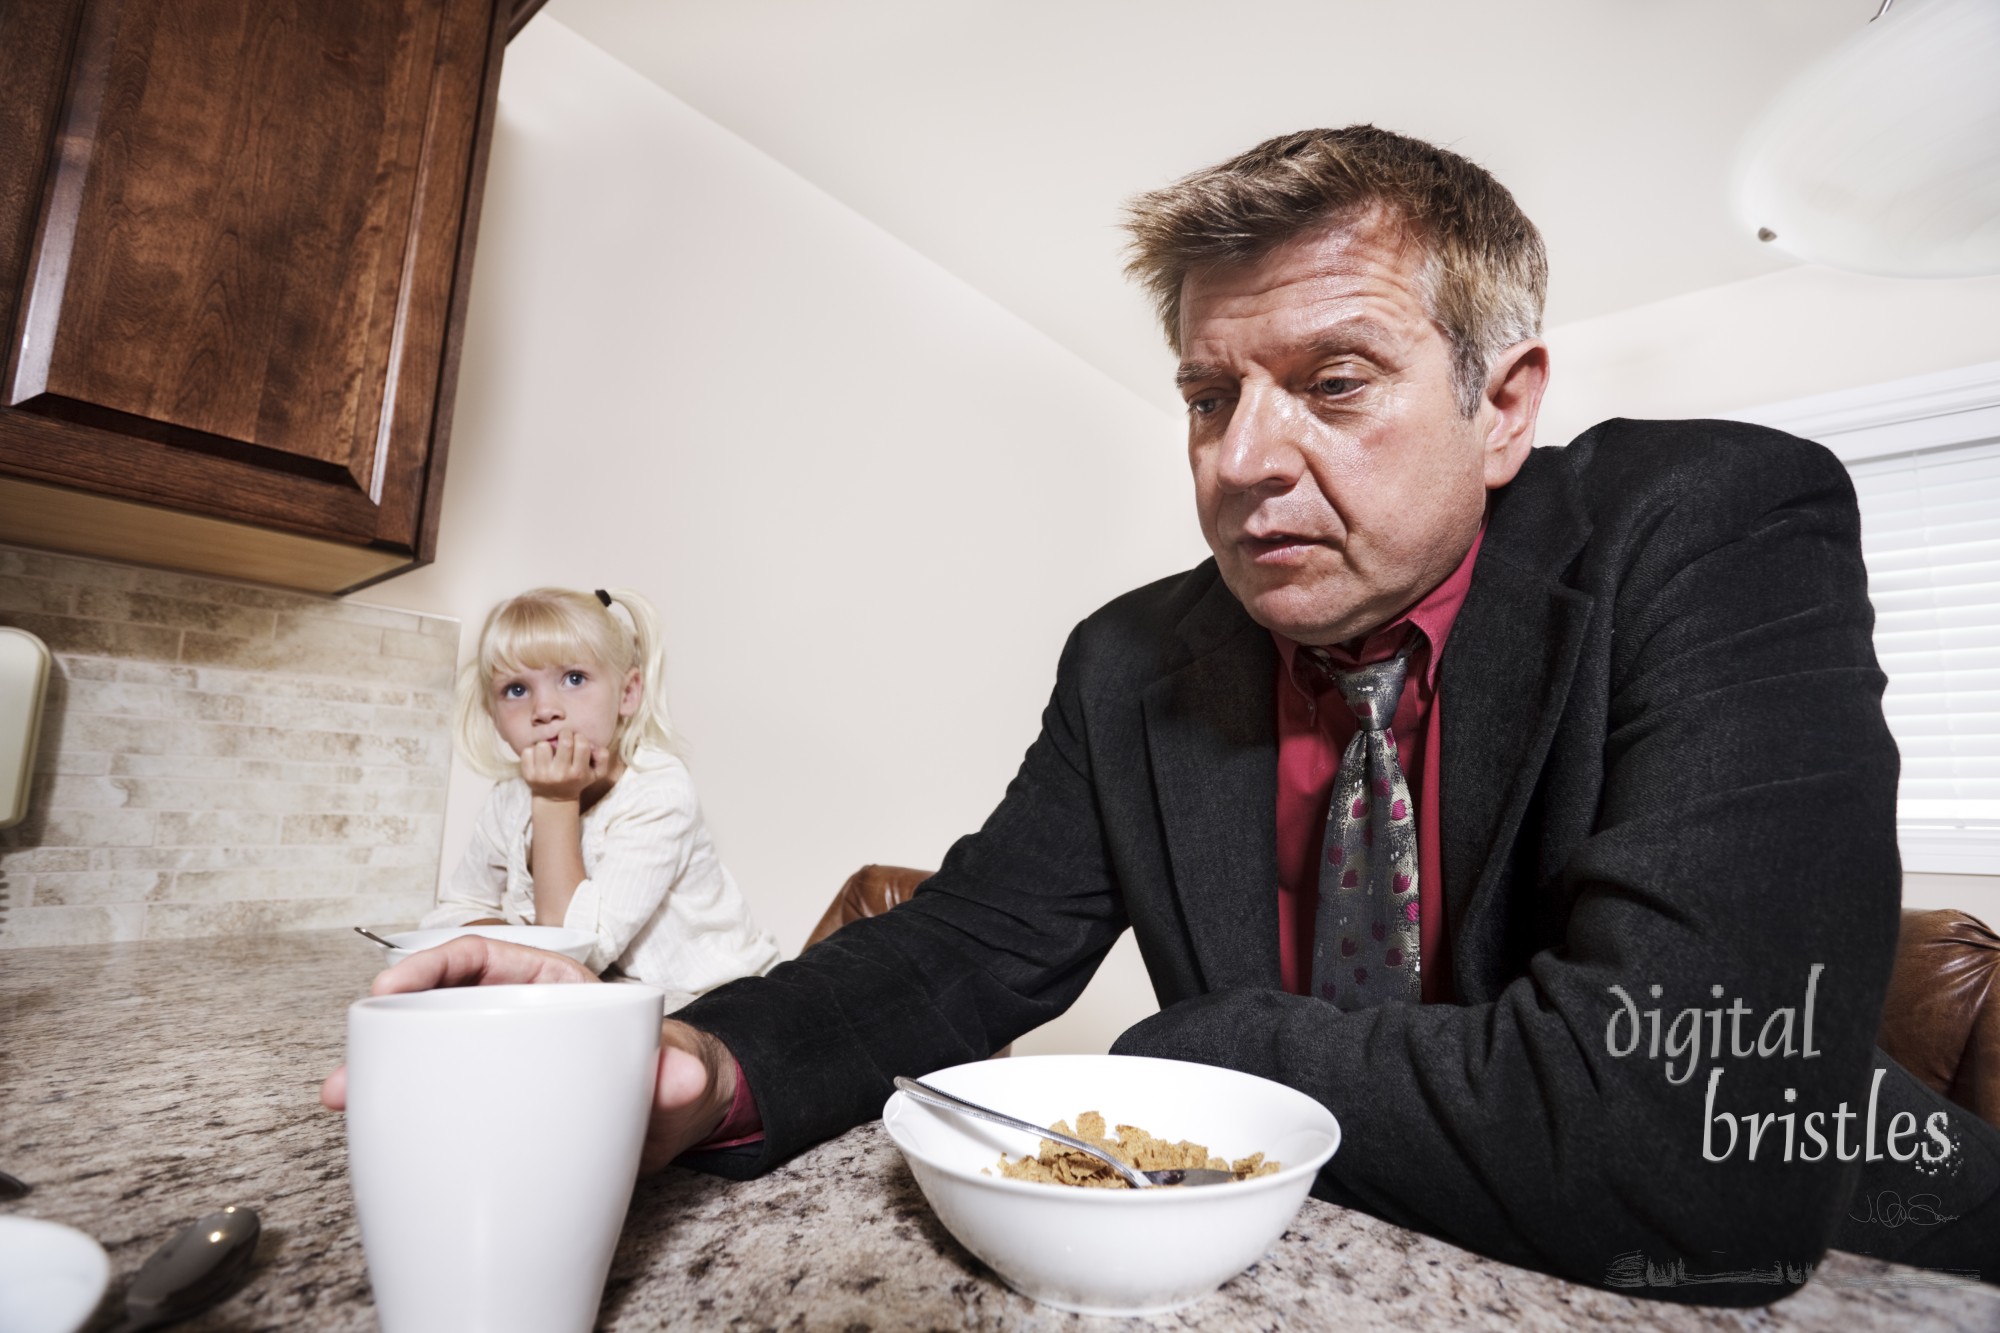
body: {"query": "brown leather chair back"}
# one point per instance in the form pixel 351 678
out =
pixel 869 891
pixel 1942 1018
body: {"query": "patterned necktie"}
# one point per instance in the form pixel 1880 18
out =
pixel 1365 933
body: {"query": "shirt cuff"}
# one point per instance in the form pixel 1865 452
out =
pixel 581 914
pixel 742 1124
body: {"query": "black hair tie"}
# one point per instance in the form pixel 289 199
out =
pixel 604 597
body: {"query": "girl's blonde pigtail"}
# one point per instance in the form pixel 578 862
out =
pixel 650 727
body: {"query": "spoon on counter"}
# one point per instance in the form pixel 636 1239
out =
pixel 1137 1179
pixel 194 1270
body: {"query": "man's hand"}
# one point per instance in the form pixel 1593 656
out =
pixel 561 771
pixel 696 1084
pixel 697 1076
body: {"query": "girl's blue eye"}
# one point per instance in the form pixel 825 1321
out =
pixel 573 677
pixel 513 690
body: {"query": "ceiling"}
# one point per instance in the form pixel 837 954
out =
pixel 1000 139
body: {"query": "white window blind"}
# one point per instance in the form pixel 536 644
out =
pixel 1930 533
pixel 1924 454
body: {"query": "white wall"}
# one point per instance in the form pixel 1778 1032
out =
pixel 1795 334
pixel 868 501
pixel 1804 331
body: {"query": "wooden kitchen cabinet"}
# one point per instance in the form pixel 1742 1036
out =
pixel 235 243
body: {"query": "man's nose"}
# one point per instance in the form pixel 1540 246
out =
pixel 1260 447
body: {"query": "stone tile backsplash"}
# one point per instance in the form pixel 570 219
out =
pixel 219 758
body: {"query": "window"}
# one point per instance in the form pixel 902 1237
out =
pixel 1925 457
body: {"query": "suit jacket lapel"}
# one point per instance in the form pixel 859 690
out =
pixel 1502 683
pixel 1211 736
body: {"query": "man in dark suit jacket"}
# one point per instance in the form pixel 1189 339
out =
pixel 1665 856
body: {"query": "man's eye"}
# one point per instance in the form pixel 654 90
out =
pixel 1205 406
pixel 1335 385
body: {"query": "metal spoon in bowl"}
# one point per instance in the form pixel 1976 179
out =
pixel 1139 1180
pixel 194 1270
pixel 369 934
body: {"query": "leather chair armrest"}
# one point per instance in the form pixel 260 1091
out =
pixel 1942 1017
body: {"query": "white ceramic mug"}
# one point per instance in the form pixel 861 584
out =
pixel 493 1138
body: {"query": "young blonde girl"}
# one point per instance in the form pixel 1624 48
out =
pixel 593 822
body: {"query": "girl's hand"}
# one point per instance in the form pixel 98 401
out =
pixel 561 772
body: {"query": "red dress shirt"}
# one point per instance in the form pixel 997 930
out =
pixel 1314 726
pixel 1311 736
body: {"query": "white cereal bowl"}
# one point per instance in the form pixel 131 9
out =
pixel 1113 1252
pixel 571 944
pixel 51 1276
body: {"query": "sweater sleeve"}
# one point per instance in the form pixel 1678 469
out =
pixel 646 845
pixel 475 888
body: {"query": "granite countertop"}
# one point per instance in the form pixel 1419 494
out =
pixel 144 1084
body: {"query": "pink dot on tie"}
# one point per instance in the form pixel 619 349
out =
pixel 1347 946
pixel 1360 976
pixel 1350 879
pixel 1367 835
pixel 1326 990
pixel 1402 883
pixel 1399 811
pixel 1335 854
pixel 1410 910
pixel 1360 807
pixel 1382 786
pixel 1379 931
pixel 1394 958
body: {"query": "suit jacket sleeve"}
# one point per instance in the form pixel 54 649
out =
pixel 1001 939
pixel 1733 828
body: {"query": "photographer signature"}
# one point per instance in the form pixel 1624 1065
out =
pixel 1634 1269
pixel 1890 1210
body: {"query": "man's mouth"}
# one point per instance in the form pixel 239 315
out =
pixel 1277 548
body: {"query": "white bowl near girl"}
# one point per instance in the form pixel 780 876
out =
pixel 574 945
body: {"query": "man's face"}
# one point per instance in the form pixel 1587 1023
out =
pixel 1336 479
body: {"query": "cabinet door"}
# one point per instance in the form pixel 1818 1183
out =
pixel 234 249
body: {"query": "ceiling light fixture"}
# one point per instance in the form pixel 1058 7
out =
pixel 1885 156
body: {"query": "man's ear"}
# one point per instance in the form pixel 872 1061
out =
pixel 1513 398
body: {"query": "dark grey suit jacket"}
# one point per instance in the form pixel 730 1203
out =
pixel 1664 763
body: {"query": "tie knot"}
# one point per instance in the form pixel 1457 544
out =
pixel 1371 691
